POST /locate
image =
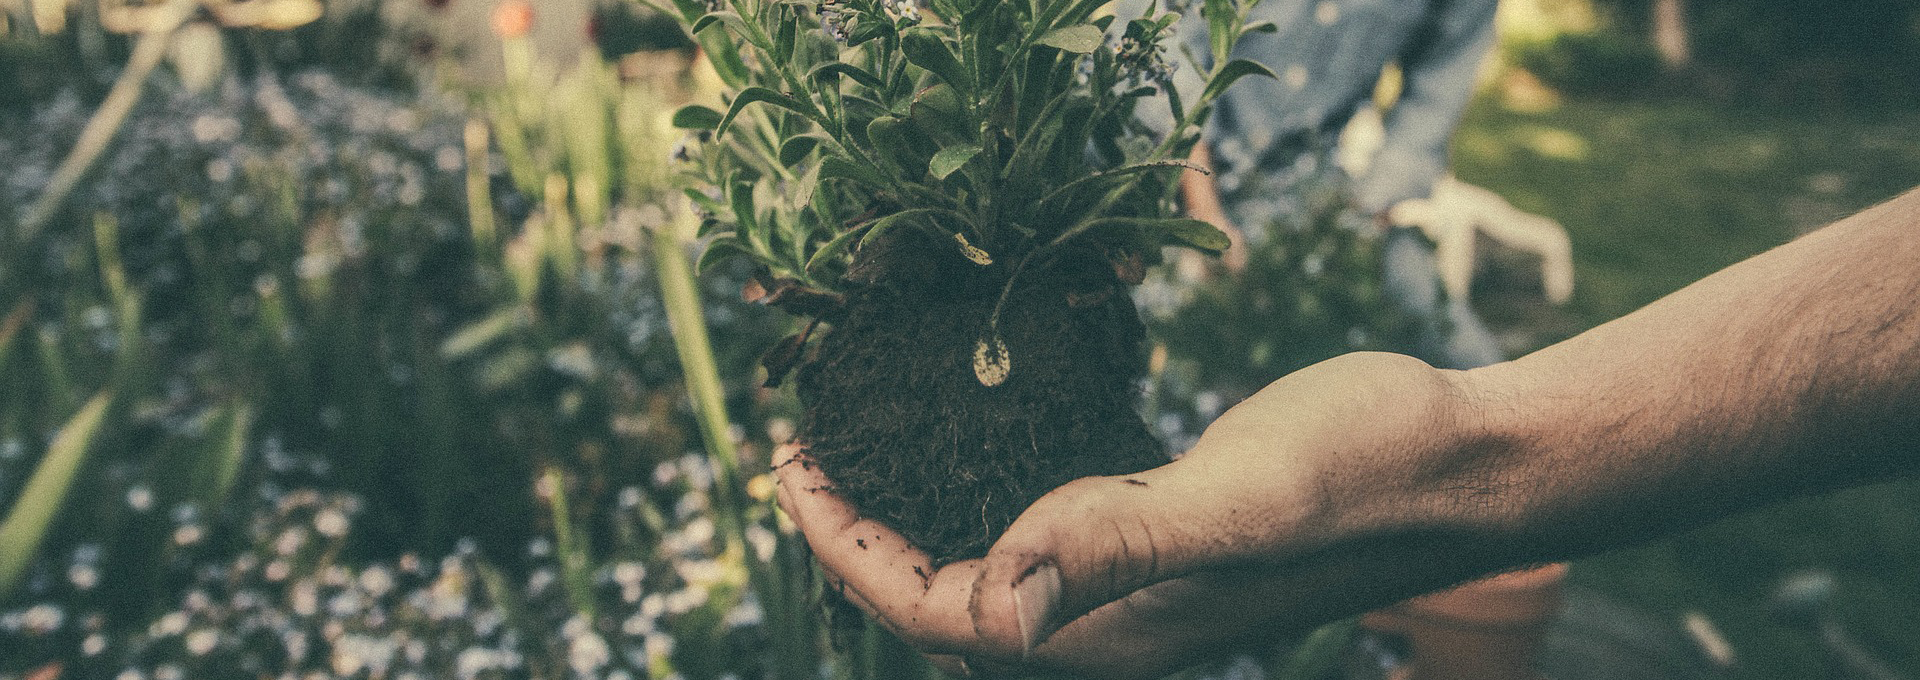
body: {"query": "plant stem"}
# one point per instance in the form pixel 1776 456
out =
pixel 479 189
pixel 684 314
pixel 679 292
pixel 573 553
pixel 112 115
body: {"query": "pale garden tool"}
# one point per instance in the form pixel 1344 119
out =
pixel 1457 211
pixel 167 30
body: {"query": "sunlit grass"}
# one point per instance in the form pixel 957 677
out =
pixel 1668 192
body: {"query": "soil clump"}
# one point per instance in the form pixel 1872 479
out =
pixel 897 419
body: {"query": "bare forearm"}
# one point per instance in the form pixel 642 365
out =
pixel 1792 372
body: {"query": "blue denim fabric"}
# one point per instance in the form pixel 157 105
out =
pixel 1450 335
pixel 1271 138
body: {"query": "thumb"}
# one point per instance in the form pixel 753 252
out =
pixel 1088 543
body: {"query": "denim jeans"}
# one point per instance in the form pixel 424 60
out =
pixel 1449 333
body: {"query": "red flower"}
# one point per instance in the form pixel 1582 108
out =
pixel 513 18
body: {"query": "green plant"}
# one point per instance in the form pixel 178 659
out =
pixel 1005 128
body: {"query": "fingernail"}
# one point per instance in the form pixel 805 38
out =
pixel 1035 597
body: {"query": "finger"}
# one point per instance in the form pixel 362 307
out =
pixel 1162 628
pixel 882 572
pixel 1084 545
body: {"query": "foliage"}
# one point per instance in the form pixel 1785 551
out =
pixel 1005 127
pixel 282 287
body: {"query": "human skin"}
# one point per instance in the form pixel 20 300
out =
pixel 1372 477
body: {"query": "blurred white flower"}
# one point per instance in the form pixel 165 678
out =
pixel 83 576
pixel 764 542
pixel 637 625
pixel 41 619
pixel 305 597
pixel 747 613
pixel 330 522
pixel 376 580
pixel 587 654
pixel 173 623
pixel 201 641
pixel 140 498
pixel 659 646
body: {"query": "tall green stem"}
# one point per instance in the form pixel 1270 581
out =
pixel 684 314
pixel 680 293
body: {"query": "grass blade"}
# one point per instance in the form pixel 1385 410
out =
pixel 46 491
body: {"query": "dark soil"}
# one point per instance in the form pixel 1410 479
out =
pixel 897 419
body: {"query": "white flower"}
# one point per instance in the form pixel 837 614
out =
pixel 376 581
pixel 637 625
pixel 306 598
pixel 43 619
pixel 201 641
pixel 588 653
pixel 290 541
pixel 763 541
pixel 83 576
pixel 330 523
pixel 174 623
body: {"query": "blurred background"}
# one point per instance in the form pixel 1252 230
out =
pixel 348 339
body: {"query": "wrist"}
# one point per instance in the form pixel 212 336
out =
pixel 1470 475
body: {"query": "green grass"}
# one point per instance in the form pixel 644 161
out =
pixel 1656 195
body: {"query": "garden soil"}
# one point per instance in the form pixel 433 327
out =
pixel 897 419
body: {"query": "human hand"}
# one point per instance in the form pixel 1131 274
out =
pixel 1328 493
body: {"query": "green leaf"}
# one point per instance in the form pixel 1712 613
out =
pixel 832 250
pixel 1234 70
pixel 889 137
pixel 927 49
pixel 950 159
pixel 760 94
pixel 39 501
pixel 1220 16
pixel 1175 230
pixel 803 188
pixel 1079 39
pixel 705 202
pixel 796 148
pixel 859 75
pixel 696 117
pixel 886 224
pixel 939 112
pixel 1259 27
pixel 835 167
pixel 740 199
pixel 1102 180
pixel 484 332
pixel 719 250
pixel 219 464
pixel 1195 233
pixel 731 19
